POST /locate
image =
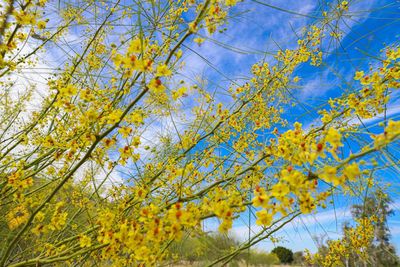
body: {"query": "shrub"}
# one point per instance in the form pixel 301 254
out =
pixel 285 255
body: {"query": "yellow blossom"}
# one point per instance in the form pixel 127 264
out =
pixel 179 93
pixel 351 171
pixel 135 46
pixel 329 175
pixel 41 25
pixel 359 75
pixel 85 241
pixel 163 70
pixel 333 137
pixel 125 131
pixel 280 190
pixel 69 90
pixel 17 216
pixel 264 218
pixel 156 86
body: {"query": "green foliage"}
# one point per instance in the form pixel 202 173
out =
pixel 285 255
pixel 258 258
pixel 205 248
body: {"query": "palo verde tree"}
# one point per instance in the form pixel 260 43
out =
pixel 66 138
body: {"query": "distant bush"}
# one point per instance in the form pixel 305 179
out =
pixel 285 255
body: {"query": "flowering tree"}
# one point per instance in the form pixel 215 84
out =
pixel 65 140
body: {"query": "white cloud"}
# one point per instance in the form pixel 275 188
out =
pixel 317 86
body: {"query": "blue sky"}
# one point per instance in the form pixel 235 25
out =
pixel 256 32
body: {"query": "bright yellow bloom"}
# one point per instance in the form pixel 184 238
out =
pixel 333 137
pixel 230 2
pixel 260 200
pixel 41 25
pixel 85 241
pixel 199 40
pixel 135 46
pixel 307 203
pixel 136 117
pixel 352 171
pixel 329 175
pixel 280 190
pixel 179 93
pixel 163 70
pixel 125 131
pixel 156 86
pixel 69 90
pixel 114 116
pixel 24 18
pixel 264 218
pixel 359 75
pixel 344 5
pixel 17 216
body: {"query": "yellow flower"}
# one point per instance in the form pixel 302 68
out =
pixel 114 116
pixel 125 151
pixel 198 40
pixel 351 171
pixel 263 217
pixel 24 18
pixel 85 241
pixel 306 202
pixel 329 175
pixel 359 75
pixel 135 46
pixel 68 90
pixel 109 142
pixel 225 226
pixel 136 117
pixel 118 60
pixel 280 190
pixel 17 216
pixel 179 93
pixel 178 54
pixel 59 218
pixel 333 137
pixel 41 25
pixel 39 216
pixel 193 27
pixel 90 115
pixel 293 177
pixel 393 129
pixel 230 2
pixel 136 141
pixel 38 229
pixel 125 131
pixel 41 3
pixel 156 86
pixel 345 5
pixel 163 70
pixel 260 201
